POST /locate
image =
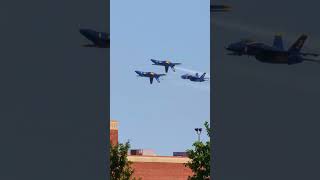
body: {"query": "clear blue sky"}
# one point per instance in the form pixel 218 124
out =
pixel 161 116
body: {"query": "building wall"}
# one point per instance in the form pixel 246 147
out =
pixel 161 171
pixel 113 132
pixel 160 167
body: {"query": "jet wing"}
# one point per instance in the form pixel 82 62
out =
pixel 159 75
pixel 151 80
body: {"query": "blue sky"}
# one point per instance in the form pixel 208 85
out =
pixel 161 116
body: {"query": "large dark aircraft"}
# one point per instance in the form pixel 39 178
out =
pixel 272 54
pixel 195 77
pixel 99 39
pixel 150 75
pixel 219 8
pixel 166 64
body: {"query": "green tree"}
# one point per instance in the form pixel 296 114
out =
pixel 200 158
pixel 120 168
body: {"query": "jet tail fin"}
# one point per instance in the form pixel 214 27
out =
pixel 277 42
pixel 157 78
pixel 173 69
pixel 202 76
pixel 296 47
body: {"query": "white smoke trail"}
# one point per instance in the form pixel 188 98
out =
pixel 192 71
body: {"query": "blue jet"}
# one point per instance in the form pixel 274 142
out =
pixel 166 64
pixel 219 8
pixel 150 75
pixel 99 39
pixel 272 54
pixel 195 77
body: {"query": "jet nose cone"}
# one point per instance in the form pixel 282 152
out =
pixel 139 73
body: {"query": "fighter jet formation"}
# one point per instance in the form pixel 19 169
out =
pixel 102 40
pixel 99 39
pixel 167 64
pixel 275 54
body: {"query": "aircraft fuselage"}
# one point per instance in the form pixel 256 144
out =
pixel 265 53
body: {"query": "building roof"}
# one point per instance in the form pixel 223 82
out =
pixel 159 159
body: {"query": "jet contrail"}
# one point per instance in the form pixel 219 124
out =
pixel 191 71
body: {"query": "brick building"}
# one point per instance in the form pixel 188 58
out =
pixel 160 167
pixel 113 132
pixel 149 166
